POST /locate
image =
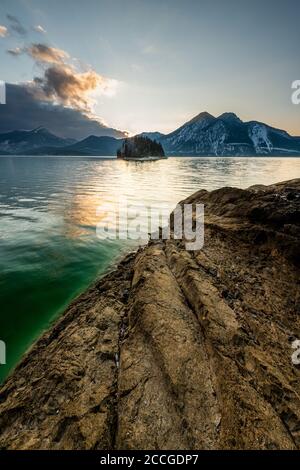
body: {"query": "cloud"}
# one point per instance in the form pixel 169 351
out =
pixel 3 31
pixel 61 82
pixel 46 54
pixel 15 52
pixel 24 111
pixel 42 53
pixel 61 97
pixel 39 29
pixel 16 26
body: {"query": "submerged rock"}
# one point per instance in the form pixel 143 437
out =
pixel 176 349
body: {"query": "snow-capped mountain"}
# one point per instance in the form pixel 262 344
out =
pixel 17 142
pixel 228 135
pixel 203 135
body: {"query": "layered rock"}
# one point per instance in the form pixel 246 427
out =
pixel 176 349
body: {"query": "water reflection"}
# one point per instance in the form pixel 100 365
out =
pixel 49 251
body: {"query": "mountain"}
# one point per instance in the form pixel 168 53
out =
pixel 92 145
pixel 18 142
pixel 24 111
pixel 203 135
pixel 228 135
pixel 151 135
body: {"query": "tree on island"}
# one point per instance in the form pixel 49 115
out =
pixel 139 146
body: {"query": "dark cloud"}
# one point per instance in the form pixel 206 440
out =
pixel 60 81
pixel 70 88
pixel 41 54
pixel 61 98
pixel 16 26
pixel 47 54
pixel 24 111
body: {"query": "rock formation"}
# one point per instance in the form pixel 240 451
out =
pixel 176 349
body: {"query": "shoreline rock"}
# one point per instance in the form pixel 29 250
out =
pixel 176 349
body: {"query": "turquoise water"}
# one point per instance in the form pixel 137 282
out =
pixel 49 251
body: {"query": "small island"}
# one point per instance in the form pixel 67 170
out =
pixel 140 148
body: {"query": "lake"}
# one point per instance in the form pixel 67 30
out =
pixel 49 250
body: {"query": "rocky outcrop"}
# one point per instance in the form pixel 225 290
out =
pixel 176 349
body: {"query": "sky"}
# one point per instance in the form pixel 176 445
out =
pixel 140 65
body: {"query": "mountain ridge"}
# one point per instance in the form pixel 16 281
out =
pixel 228 135
pixel 20 141
pixel 204 134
